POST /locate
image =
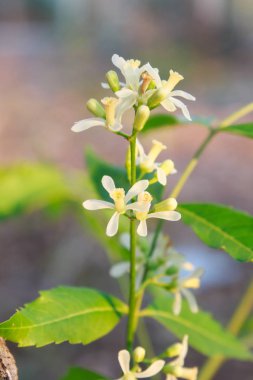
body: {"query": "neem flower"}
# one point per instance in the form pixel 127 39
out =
pixel 171 103
pixel 144 200
pixel 176 367
pixel 147 161
pixel 128 374
pixel 120 202
pixel 114 109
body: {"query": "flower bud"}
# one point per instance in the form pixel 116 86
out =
pixel 174 350
pixel 141 118
pixel 113 80
pixel 169 204
pixel 157 98
pixel 139 354
pixel 96 108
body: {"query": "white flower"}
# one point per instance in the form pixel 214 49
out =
pixel 124 361
pixel 132 72
pixel 120 204
pixel 144 199
pixel 171 103
pixel 147 161
pixel 114 110
pixel 177 365
pixel 190 282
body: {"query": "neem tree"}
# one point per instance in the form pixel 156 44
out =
pixel 134 195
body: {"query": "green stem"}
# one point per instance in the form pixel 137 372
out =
pixel 132 277
pixel 240 315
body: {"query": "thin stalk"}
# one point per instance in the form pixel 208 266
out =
pixel 240 315
pixel 192 164
pixel 237 115
pixel 132 276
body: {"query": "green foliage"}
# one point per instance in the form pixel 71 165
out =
pixel 77 315
pixel 82 374
pixel 205 334
pixel 159 120
pixel 97 168
pixel 245 130
pixel 27 187
pixel 221 227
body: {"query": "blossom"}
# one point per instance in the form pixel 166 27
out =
pixel 145 199
pixel 120 202
pixel 147 161
pixel 114 110
pixel 171 103
pixel 176 367
pixel 134 75
pixel 182 289
pixel 128 374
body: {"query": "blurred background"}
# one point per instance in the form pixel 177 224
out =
pixel 53 56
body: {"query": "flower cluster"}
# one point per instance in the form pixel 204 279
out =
pixel 173 370
pixel 121 205
pixel 142 86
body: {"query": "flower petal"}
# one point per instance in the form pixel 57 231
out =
pixel 108 183
pixel 137 188
pixel 177 304
pixel 168 105
pixel 124 361
pixel 154 73
pixel 152 370
pixel 85 124
pixel 142 228
pixel 183 94
pixel 137 206
pixel 119 269
pixel 161 176
pixel 97 204
pixel 113 225
pixel 105 85
pixel 191 300
pixel 118 61
pixel 124 93
pixel 166 215
pixel 182 106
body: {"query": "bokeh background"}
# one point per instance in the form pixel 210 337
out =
pixel 53 56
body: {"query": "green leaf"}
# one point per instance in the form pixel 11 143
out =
pixel 82 374
pixel 158 121
pixel 245 130
pixel 205 334
pixel 28 187
pixel 97 168
pixel 76 315
pixel 221 227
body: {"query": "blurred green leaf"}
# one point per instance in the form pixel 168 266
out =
pixel 82 374
pixel 221 227
pixel 27 187
pixel 245 130
pixel 158 121
pixel 76 315
pixel 206 335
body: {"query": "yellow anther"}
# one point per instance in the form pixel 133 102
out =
pixel 139 354
pixel 173 80
pixel 186 373
pixel 192 283
pixel 144 198
pixel 118 195
pixel 134 63
pixel 110 106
